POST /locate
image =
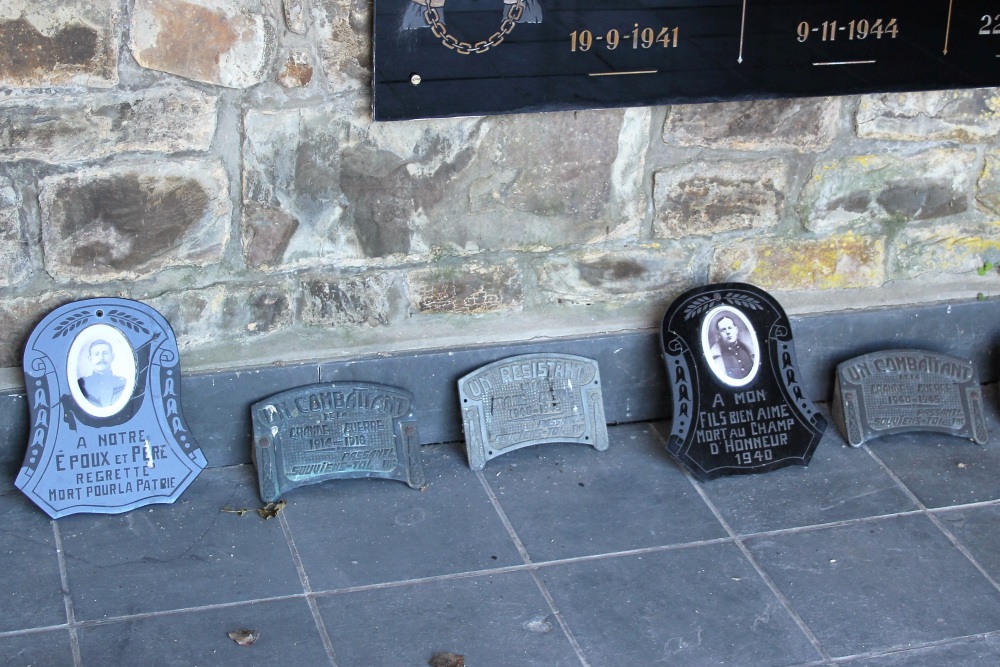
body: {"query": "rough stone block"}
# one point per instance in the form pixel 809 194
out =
pixel 200 316
pixel 15 246
pixel 466 288
pixel 295 16
pixel 194 314
pixel 844 261
pixel 619 276
pixel 798 124
pixel 951 248
pixel 222 42
pixel 328 301
pixel 988 186
pixel 59 43
pixel 19 317
pixel 297 70
pixel 968 116
pixel 703 198
pixel 70 129
pixel 548 180
pixel 256 310
pixel 344 32
pixel 327 187
pixel 550 165
pixel 846 192
pixel 128 221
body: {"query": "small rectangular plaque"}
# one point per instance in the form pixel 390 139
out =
pixel 531 399
pixel 327 431
pixel 903 391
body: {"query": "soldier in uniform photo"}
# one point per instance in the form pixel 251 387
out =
pixel 102 387
pixel 730 356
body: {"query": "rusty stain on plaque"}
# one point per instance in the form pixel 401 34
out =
pixel 327 431
pixel 531 399
pixel 905 391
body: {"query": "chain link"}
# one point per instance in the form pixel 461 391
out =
pixel 440 30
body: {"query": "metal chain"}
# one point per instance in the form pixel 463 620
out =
pixel 440 30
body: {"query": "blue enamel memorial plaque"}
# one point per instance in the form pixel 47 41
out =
pixel 334 430
pixel 738 401
pixel 531 399
pixel 107 435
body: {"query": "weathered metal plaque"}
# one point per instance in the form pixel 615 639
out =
pixel 902 391
pixel 327 431
pixel 531 399
pixel 738 403
pixel 472 57
pixel 107 435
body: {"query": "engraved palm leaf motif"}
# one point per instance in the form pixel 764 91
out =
pixel 71 323
pixel 127 320
pixel 698 306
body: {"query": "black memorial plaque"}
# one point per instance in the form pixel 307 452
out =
pixel 473 57
pixel 903 391
pixel 738 403
pixel 327 431
pixel 103 381
pixel 531 399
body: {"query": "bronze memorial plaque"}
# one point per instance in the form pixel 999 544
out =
pixel 531 399
pixel 901 391
pixel 327 431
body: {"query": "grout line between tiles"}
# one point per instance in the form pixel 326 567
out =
pixel 307 589
pixel 902 650
pixel 760 571
pixel 74 640
pixel 533 571
pixel 934 519
pixel 738 541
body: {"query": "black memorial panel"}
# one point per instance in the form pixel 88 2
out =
pixel 471 57
pixel 738 402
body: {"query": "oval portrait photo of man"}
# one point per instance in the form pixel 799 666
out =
pixel 729 343
pixel 101 370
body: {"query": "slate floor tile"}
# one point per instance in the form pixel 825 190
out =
pixel 494 621
pixel 946 470
pixel 30 585
pixel 572 500
pixel 978 530
pixel 696 606
pixel 176 556
pixel 881 584
pixel 366 531
pixel 972 652
pixel 840 483
pixel 288 636
pixel 37 649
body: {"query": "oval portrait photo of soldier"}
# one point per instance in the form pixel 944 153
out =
pixel 729 343
pixel 100 370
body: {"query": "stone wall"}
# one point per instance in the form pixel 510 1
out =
pixel 217 160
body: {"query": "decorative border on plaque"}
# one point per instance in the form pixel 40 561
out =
pixel 531 399
pixel 107 434
pixel 748 417
pixel 907 391
pixel 337 430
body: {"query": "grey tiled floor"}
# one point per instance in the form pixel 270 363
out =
pixel 558 555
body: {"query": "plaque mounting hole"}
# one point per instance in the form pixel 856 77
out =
pixel 100 313
pixel 717 297
pixel 415 79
